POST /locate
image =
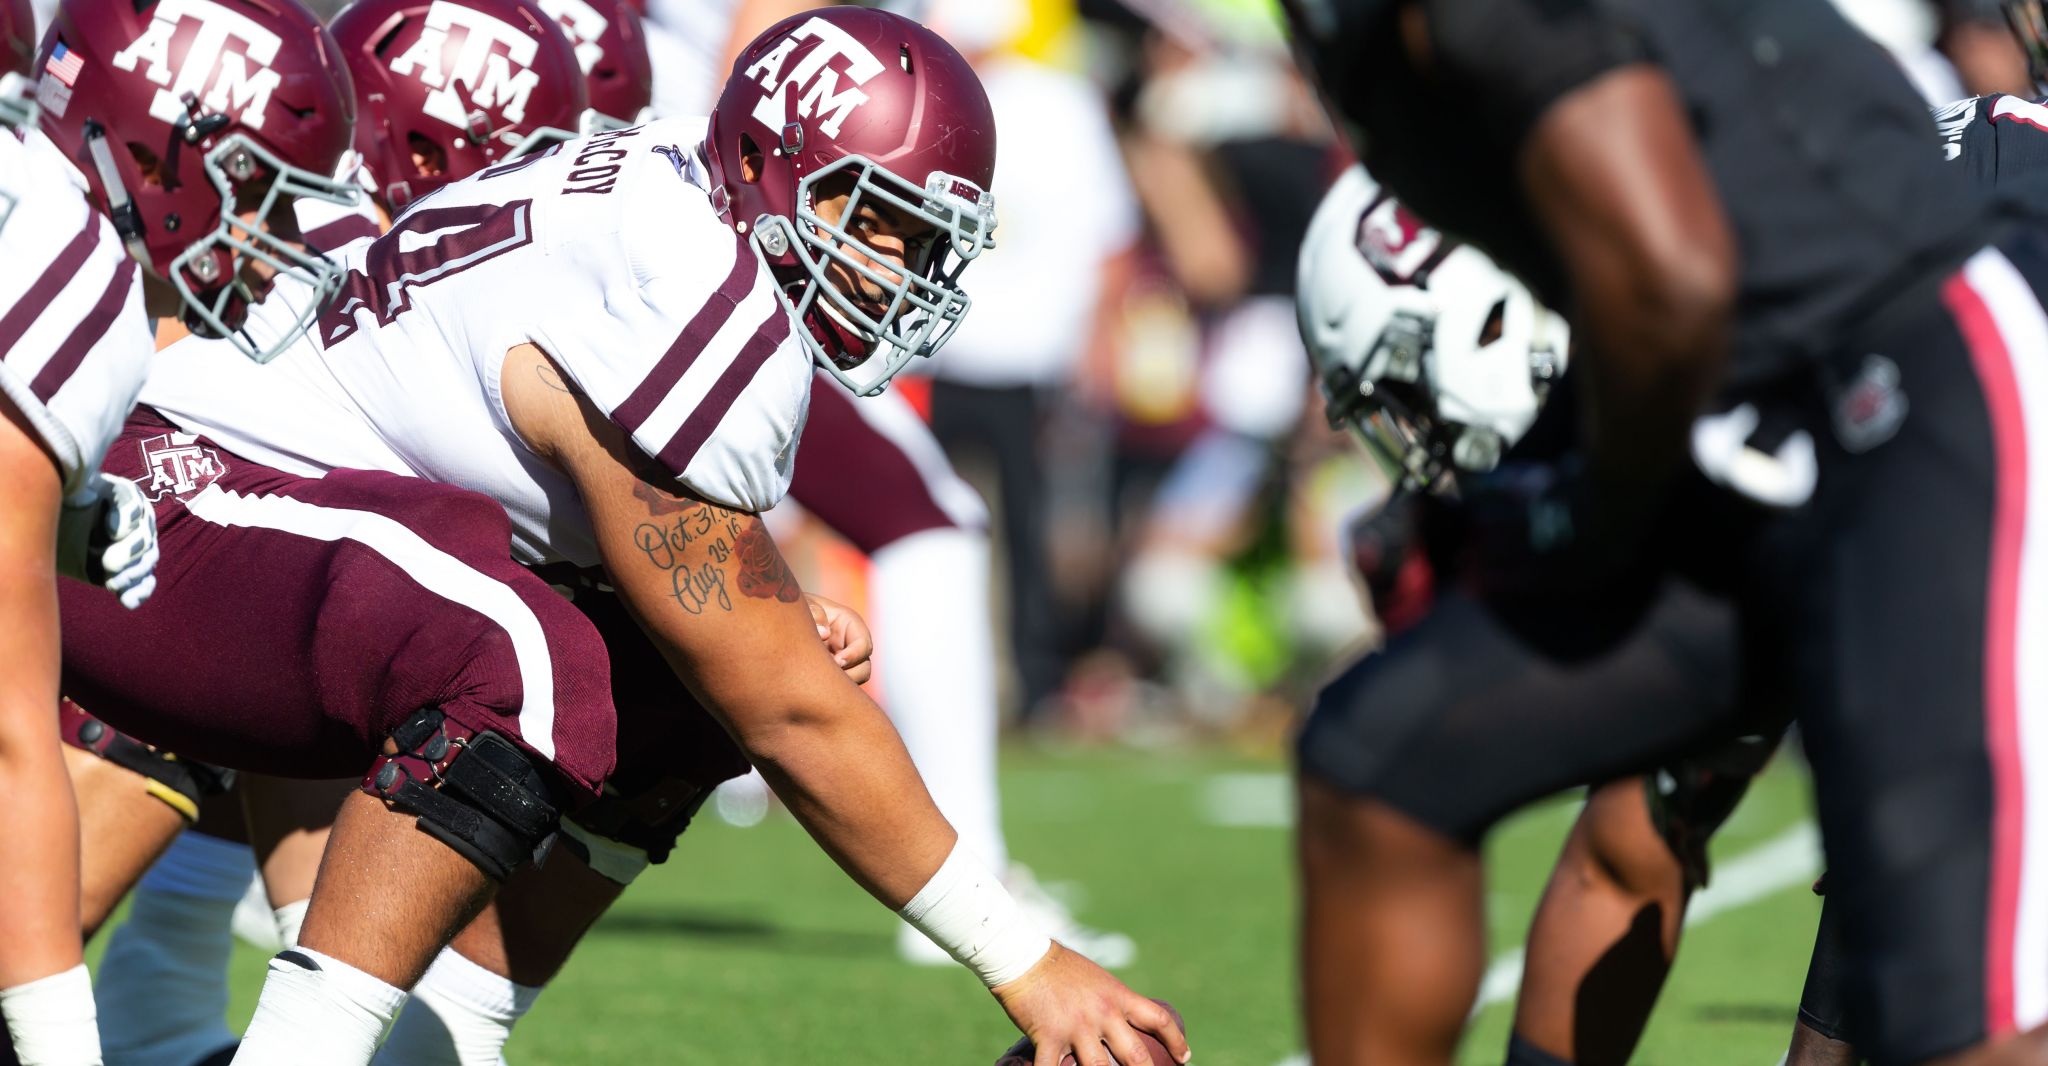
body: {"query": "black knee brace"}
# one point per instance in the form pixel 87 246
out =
pixel 1690 799
pixel 180 783
pixel 622 832
pixel 475 792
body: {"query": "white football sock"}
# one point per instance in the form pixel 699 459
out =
pixel 163 980
pixel 935 657
pixel 51 1020
pixel 290 919
pixel 317 1010
pixel 460 1014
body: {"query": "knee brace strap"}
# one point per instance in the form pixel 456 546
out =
pixel 610 859
pixel 648 821
pixel 475 792
pixel 180 783
pixel 1689 800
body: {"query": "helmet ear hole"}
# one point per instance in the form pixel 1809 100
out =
pixel 750 160
pixel 146 162
pixel 1496 323
pixel 427 156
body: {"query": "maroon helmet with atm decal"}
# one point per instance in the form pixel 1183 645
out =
pixel 611 47
pixel 450 87
pixel 184 115
pixel 874 99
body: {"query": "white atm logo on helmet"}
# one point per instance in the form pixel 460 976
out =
pixel 241 81
pixel 814 85
pixel 1395 242
pixel 584 25
pixel 494 80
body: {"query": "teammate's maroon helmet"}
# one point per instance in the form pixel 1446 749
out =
pixel 17 57
pixel 449 87
pixel 182 112
pixel 881 102
pixel 611 46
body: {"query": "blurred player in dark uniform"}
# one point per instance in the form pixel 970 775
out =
pixel 1737 204
pixel 1457 345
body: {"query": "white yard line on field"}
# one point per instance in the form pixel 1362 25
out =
pixel 1249 800
pixel 1785 860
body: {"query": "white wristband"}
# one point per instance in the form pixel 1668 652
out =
pixel 967 911
pixel 52 1020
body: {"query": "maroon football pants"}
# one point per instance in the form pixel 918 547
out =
pixel 298 621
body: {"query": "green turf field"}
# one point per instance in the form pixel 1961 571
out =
pixel 749 946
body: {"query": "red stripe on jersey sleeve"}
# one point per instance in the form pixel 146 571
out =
pixel 87 333
pixel 696 429
pixel 52 281
pixel 705 324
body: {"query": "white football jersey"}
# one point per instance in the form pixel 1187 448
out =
pixel 604 252
pixel 74 338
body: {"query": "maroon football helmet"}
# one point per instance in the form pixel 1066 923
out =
pixel 874 98
pixel 182 112
pixel 612 49
pixel 449 87
pixel 17 57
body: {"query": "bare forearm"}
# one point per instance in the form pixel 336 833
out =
pixel 848 779
pixel 710 586
pixel 38 855
pixel 1987 59
pixel 1619 185
pixel 39 847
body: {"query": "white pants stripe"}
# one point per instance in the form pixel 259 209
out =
pixel 435 570
pixel 2022 325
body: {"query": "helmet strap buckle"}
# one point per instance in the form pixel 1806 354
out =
pixel 792 139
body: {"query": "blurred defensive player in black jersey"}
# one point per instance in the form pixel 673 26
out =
pixel 1736 204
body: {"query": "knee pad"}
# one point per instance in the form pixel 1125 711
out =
pixel 180 783
pixel 476 792
pixel 620 833
pixel 1690 799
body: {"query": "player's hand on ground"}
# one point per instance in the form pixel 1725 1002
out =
pixel 1073 1011
pixel 845 634
pixel 107 536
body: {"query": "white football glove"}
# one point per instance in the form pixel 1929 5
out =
pixel 107 536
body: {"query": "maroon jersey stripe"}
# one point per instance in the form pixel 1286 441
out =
pixel 696 429
pixel 703 325
pixel 54 277
pixel 341 231
pixel 88 333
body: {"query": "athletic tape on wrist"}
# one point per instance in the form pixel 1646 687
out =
pixel 965 909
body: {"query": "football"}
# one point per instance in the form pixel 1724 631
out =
pixel 1021 1052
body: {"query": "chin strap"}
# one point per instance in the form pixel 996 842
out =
pixel 120 207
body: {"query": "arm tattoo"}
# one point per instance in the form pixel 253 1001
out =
pixel 552 378
pixel 731 539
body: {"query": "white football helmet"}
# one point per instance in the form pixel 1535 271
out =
pixel 1424 347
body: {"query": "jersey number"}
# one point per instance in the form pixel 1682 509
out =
pixel 466 236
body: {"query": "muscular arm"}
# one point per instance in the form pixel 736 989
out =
pixel 710 587
pixel 39 851
pixel 1617 182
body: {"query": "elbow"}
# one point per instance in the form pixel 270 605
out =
pixel 1690 290
pixel 1676 313
pixel 782 736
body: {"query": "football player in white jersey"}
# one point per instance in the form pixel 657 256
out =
pixel 930 550
pixel 634 409
pixel 123 201
pixel 163 985
pixel 868 468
